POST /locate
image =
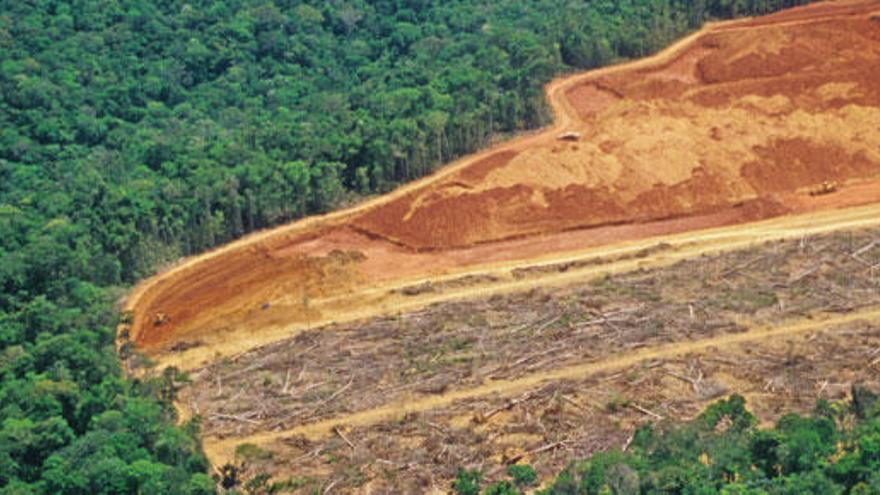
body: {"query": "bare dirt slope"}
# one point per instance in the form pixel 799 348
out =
pixel 740 114
pixel 735 123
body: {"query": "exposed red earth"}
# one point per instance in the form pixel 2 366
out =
pixel 739 122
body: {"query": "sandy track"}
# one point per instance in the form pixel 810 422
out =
pixel 223 449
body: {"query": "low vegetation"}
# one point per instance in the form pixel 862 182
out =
pixel 834 450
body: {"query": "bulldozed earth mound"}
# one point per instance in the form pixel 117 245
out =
pixel 744 112
pixel 742 121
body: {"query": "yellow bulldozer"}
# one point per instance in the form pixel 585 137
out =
pixel 160 318
pixel 826 187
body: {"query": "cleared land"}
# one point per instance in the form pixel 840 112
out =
pixel 735 123
pixel 191 351
pixel 536 301
pixel 494 380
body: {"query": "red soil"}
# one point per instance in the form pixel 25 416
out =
pixel 792 164
pixel 730 126
pixel 481 168
pixel 590 99
pixel 724 68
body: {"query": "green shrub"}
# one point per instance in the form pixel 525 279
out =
pixel 467 482
pixel 501 488
pixel 723 451
pixel 522 475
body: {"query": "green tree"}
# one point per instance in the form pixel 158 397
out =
pixel 467 482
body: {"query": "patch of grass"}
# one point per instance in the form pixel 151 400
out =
pixel 616 403
pixel 458 344
pixel 268 379
pixel 641 290
pixel 745 299
pixel 249 452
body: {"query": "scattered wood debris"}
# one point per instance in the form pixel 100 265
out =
pixel 336 370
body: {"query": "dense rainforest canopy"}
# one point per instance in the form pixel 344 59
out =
pixel 133 132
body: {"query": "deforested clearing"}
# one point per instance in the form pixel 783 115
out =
pixel 742 121
pixel 402 401
pixel 697 223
